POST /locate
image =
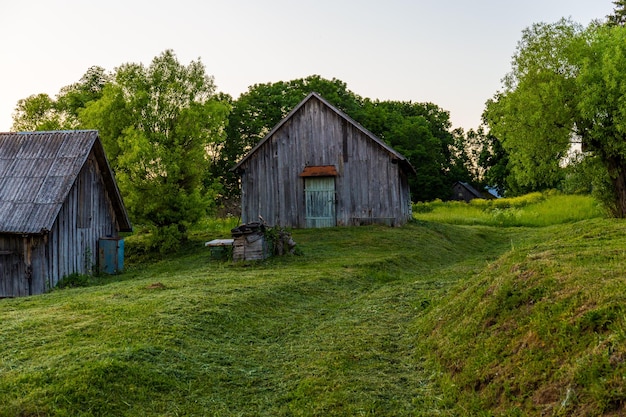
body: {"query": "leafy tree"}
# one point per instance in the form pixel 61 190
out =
pixel 72 98
pixel 157 123
pixel 566 86
pixel 36 112
pixel 601 122
pixel 486 159
pixel 618 18
pixel 494 159
pixel 40 112
pixel 531 116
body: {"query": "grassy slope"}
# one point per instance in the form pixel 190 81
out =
pixel 429 319
pixel 540 331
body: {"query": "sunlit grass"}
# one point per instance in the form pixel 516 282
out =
pixel 181 334
pixel 540 331
pixel 431 319
pixel 532 210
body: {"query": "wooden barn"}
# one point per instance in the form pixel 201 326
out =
pixel 319 168
pixel 58 198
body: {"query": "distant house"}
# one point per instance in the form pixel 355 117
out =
pixel 463 191
pixel 319 168
pixel 58 197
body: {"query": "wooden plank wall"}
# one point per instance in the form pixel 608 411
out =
pixel 252 247
pixel 12 267
pixel 86 216
pixel 369 185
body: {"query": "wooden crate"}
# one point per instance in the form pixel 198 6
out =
pixel 251 247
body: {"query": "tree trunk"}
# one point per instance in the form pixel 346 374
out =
pixel 617 171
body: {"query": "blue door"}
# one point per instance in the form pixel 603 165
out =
pixel 320 202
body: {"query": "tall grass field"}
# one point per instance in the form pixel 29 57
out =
pixel 531 210
pixel 462 312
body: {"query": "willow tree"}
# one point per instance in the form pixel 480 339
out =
pixel 566 85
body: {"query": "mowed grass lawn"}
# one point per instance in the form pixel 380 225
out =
pixel 365 322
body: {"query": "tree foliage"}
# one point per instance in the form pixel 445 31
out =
pixel 566 86
pixel 157 123
pixel 618 18
pixel 172 140
pixel 41 112
pixel 488 160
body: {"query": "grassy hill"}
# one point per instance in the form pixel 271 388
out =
pixel 440 317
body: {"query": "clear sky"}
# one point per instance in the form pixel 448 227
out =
pixel 452 53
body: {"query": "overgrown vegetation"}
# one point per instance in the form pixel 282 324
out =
pixel 530 210
pixel 427 319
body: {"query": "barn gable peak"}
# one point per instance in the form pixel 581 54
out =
pixel 406 165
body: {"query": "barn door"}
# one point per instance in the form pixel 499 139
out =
pixel 320 201
pixel 13 282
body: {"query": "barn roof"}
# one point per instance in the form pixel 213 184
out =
pixel 395 154
pixel 473 191
pixel 37 171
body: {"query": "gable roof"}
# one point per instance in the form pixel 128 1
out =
pixel 395 154
pixel 37 172
pixel 473 191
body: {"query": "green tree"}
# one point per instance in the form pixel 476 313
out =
pixel 72 98
pixel 566 86
pixel 494 160
pixel 618 18
pixel 157 124
pixel 40 112
pixel 486 160
pixel 601 122
pixel 36 112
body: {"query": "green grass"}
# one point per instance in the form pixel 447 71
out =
pixel 531 210
pixel 427 319
pixel 541 331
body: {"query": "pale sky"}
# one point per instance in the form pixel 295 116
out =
pixel 452 53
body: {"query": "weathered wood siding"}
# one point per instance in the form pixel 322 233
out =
pixel 16 277
pixel 251 247
pixel 370 185
pixel 86 216
pixel 34 264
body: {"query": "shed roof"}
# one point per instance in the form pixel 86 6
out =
pixel 395 154
pixel 37 172
pixel 470 189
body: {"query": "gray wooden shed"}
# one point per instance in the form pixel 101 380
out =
pixel 319 168
pixel 58 197
pixel 463 191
